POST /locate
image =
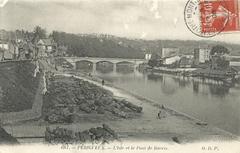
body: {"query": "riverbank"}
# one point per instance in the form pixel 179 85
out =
pixel 206 99
pixel 228 76
pixel 172 127
pixel 174 71
pixel 154 108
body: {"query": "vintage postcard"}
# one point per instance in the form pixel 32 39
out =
pixel 120 76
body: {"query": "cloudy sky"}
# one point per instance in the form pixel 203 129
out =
pixel 146 19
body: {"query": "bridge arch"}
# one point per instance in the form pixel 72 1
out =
pixel 125 67
pixel 84 65
pixel 125 63
pixel 104 62
pixel 105 66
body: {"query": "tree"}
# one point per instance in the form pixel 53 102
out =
pixel 1 54
pixel 39 32
pixel 154 60
pixel 220 62
pixel 219 49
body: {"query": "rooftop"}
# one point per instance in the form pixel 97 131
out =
pixel 46 41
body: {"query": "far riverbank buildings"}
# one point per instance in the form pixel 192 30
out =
pixel 201 55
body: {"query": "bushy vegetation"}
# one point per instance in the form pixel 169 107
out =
pixel 93 46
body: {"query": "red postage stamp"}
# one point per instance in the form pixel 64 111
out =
pixel 207 18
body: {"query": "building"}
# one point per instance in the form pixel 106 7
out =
pixel 4 45
pixel 8 50
pixel 61 51
pixel 234 60
pixel 45 47
pixel 169 52
pixel 14 49
pixel 171 60
pixel 201 55
pixel 148 56
pixel 186 61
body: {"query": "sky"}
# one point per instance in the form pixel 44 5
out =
pixel 144 19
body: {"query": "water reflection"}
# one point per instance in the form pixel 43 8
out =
pixel 104 71
pixel 219 90
pixel 206 99
pixel 153 77
pixel 183 82
pixel 195 87
pixel 171 83
pixel 105 67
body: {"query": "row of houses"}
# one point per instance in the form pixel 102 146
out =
pixel 171 57
pixel 201 57
pixel 24 49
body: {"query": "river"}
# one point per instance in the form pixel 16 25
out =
pixel 208 100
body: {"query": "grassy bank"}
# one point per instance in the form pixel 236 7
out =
pixel 17 86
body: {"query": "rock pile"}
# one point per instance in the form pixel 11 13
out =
pixel 68 96
pixel 60 116
pixel 99 134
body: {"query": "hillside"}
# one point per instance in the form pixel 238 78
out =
pixel 111 46
pixel 104 45
pixel 94 46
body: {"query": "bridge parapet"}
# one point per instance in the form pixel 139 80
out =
pixel 114 61
pixel 97 60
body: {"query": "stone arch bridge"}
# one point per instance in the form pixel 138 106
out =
pixel 114 61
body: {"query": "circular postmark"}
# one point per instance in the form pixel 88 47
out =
pixel 206 18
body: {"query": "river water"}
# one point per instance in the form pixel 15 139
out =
pixel 208 100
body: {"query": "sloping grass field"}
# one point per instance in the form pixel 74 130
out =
pixel 17 86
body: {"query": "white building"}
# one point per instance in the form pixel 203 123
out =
pixel 148 56
pixel 201 55
pixel 4 45
pixel 45 47
pixel 171 60
pixel 8 50
pixel 234 60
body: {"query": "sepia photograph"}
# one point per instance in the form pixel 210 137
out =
pixel 144 75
